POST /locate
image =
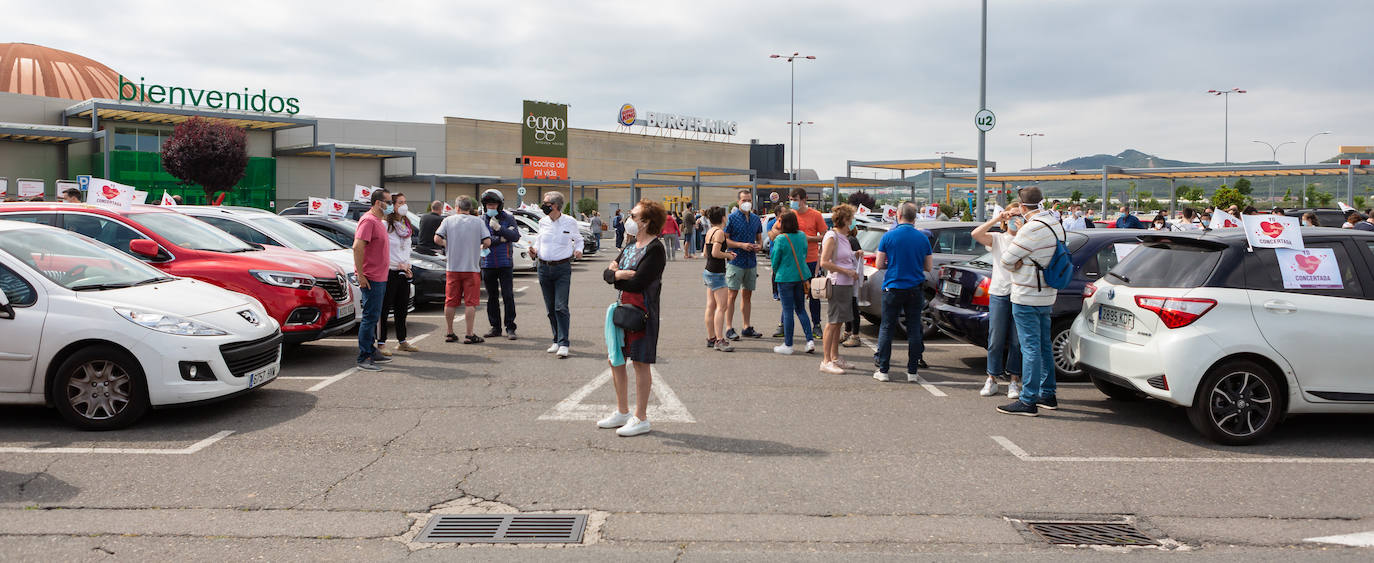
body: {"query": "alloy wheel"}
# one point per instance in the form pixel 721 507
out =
pixel 1241 403
pixel 1062 359
pixel 99 390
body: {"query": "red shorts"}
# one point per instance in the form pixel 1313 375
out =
pixel 462 289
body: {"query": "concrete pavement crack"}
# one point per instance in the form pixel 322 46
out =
pixel 324 495
pixel 24 486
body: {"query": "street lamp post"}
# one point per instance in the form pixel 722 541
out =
pixel 797 152
pixel 792 115
pixel 1302 190
pixel 1031 137
pixel 1274 152
pixel 1226 123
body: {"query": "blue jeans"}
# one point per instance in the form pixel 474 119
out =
pixel 555 280
pixel 791 295
pixel 371 300
pixel 815 304
pixel 1004 352
pixel 897 302
pixel 1037 357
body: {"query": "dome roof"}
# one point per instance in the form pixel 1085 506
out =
pixel 36 70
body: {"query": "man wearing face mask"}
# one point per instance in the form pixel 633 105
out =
pixel 557 244
pixel 497 272
pixel 744 234
pixel 371 259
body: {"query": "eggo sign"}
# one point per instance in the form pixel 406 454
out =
pixel 545 128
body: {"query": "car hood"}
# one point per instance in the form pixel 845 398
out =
pixel 287 259
pixel 183 297
pixel 343 258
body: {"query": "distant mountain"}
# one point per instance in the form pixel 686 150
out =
pixel 1129 158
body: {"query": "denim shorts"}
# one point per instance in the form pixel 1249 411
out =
pixel 713 281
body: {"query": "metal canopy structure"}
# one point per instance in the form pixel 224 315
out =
pixel 97 109
pixel 696 174
pixel 334 151
pixel 435 179
pixel 48 134
pixel 841 183
pixel 942 163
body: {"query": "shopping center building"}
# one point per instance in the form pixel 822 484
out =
pixel 63 115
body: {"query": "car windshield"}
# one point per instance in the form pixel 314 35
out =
pixel 869 239
pixel 78 263
pixel 188 232
pixel 292 234
pixel 1166 264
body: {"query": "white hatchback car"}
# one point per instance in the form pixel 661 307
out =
pixel 102 336
pixel 1202 321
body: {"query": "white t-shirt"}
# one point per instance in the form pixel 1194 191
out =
pixel 1000 283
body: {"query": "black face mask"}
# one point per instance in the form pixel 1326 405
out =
pixel 546 208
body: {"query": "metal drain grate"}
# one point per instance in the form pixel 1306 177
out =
pixel 1091 533
pixel 504 528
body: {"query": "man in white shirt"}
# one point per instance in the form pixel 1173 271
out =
pixel 1031 301
pixel 557 244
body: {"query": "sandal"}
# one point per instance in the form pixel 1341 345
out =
pixel 450 337
pixel 473 339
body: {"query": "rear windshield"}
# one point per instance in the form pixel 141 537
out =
pixel 1165 264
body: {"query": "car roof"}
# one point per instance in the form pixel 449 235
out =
pixel 1235 235
pixel 84 207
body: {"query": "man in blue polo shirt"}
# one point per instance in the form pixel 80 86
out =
pixel 744 234
pixel 904 253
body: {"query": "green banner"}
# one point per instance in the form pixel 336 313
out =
pixel 544 130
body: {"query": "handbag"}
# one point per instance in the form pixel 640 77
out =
pixel 818 287
pixel 629 318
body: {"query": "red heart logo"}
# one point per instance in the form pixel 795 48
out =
pixel 338 206
pixel 315 204
pixel 367 193
pixel 1308 263
pixel 110 192
pixel 1272 228
pixel 1229 223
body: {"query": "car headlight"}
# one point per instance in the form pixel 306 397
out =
pixel 353 278
pixel 169 324
pixel 284 279
pixel 423 264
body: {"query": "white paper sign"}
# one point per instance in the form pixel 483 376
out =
pixel 448 209
pixel 1123 249
pixel 64 185
pixel 889 213
pixel 336 208
pixel 167 199
pixel 316 206
pixel 30 188
pixel 1312 268
pixel 105 193
pixel 1272 231
pixel 140 197
pixel 1223 220
pixel 864 210
pixel 4 186
pixel 1345 208
pixel 362 194
pixel 930 213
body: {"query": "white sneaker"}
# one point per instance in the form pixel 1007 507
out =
pixel 831 368
pixel 880 376
pixel 553 348
pixel 1013 390
pixel 810 346
pixel 989 388
pixel 562 351
pixel 634 427
pixel 616 420
pixel 782 349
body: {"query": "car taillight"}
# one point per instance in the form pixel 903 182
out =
pixel 1176 312
pixel 871 260
pixel 1089 290
pixel 980 295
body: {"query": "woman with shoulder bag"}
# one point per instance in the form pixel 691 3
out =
pixel 838 259
pixel 632 323
pixel 713 277
pixel 790 274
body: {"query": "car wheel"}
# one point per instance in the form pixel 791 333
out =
pixel 1064 366
pixel 1116 392
pixel 1238 403
pixel 928 328
pixel 100 388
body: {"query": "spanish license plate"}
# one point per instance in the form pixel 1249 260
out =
pixel 259 377
pixel 344 311
pixel 951 289
pixel 1114 317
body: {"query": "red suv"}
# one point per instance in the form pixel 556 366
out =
pixel 309 298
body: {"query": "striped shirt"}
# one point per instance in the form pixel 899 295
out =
pixel 1034 242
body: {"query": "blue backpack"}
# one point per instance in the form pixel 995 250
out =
pixel 1060 269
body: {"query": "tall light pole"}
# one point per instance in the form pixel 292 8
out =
pixel 978 212
pixel 1226 124
pixel 1274 155
pixel 792 114
pixel 1302 190
pixel 798 150
pixel 1031 137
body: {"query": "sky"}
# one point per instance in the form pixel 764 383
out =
pixel 891 80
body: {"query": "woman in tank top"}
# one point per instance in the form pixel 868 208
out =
pixel 713 277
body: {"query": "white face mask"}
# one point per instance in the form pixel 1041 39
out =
pixel 631 228
pixel 746 206
pixel 403 209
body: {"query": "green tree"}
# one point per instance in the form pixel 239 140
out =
pixel 1226 197
pixel 1193 194
pixel 1092 198
pixel 1076 196
pixel 1357 202
pixel 1243 187
pixel 586 206
pixel 1288 197
pixel 210 152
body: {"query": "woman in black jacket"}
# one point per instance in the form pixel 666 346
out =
pixel 638 274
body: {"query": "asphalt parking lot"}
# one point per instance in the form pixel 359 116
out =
pixel 753 456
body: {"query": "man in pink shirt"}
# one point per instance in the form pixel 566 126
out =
pixel 371 250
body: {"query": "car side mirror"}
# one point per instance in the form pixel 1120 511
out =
pixel 145 248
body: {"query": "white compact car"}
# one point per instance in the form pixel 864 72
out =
pixel 1240 337
pixel 102 336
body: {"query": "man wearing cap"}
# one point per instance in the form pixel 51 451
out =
pixel 497 271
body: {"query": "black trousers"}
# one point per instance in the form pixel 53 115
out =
pixel 395 303
pixel 499 282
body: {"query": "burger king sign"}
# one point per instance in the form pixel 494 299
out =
pixel 627 115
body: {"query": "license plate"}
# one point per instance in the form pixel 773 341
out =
pixel 344 311
pixel 1114 317
pixel 259 377
pixel 951 289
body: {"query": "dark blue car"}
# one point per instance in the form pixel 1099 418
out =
pixel 960 307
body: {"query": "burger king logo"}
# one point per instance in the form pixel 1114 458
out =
pixel 627 115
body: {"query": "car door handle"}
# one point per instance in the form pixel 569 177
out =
pixel 1281 307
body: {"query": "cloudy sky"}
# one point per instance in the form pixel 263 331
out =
pixel 890 80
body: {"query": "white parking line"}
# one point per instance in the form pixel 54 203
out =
pixel 310 377
pixel 924 384
pixel 332 380
pixel 1361 539
pixel 420 337
pixel 1023 456
pixel 668 409
pixel 193 448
